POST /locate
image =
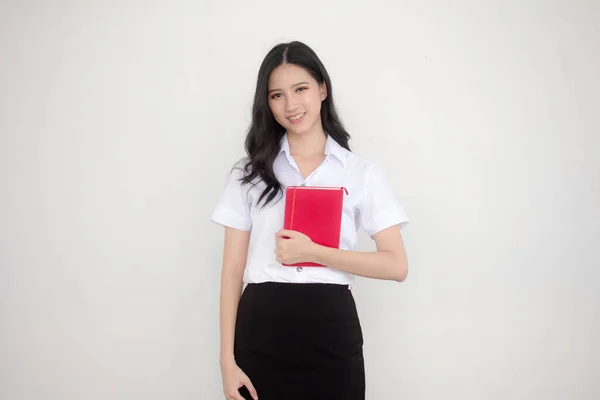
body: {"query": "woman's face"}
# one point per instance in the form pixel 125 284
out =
pixel 295 99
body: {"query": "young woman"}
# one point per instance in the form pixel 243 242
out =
pixel 294 332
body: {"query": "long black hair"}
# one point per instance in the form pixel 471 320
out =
pixel 262 143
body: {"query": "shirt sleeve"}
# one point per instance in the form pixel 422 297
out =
pixel 380 208
pixel 233 208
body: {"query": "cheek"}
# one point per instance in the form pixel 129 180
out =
pixel 315 104
pixel 276 110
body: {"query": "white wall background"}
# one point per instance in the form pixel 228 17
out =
pixel 120 120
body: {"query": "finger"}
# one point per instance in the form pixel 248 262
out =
pixel 234 395
pixel 285 233
pixel 251 388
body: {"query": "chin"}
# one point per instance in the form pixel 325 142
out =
pixel 294 130
pixel 299 129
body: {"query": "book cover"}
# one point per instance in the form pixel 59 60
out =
pixel 315 211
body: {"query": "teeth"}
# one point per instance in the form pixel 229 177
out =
pixel 296 117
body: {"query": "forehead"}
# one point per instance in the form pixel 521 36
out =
pixel 287 75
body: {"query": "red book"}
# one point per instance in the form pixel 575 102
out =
pixel 315 211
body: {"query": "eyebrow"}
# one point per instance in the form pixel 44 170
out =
pixel 297 84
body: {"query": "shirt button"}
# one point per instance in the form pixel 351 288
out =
pixel 299 269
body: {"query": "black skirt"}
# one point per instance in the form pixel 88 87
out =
pixel 300 341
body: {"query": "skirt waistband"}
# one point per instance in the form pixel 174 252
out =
pixel 299 300
pixel 300 287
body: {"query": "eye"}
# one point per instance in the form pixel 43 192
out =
pixel 301 89
pixel 276 95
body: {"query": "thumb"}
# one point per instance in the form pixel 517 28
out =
pixel 250 388
pixel 286 233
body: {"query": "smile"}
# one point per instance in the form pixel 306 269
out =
pixel 296 118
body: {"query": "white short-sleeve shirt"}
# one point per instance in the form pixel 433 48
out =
pixel 370 205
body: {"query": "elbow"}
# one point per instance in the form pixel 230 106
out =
pixel 400 271
pixel 401 277
pixel 395 267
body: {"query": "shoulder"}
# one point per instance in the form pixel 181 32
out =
pixel 239 169
pixel 240 165
pixel 362 167
pixel 369 176
pixel 240 177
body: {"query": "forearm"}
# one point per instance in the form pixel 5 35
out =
pixel 377 264
pixel 231 290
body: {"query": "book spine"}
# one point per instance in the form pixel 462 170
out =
pixel 293 207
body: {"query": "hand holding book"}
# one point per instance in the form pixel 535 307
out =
pixel 294 247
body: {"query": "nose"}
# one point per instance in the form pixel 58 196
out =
pixel 291 104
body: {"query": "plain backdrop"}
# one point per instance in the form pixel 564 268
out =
pixel 119 122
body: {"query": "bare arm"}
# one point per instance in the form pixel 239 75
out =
pixel 234 261
pixel 389 262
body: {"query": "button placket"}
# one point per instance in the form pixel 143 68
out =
pixel 312 175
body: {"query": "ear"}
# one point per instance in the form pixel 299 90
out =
pixel 323 88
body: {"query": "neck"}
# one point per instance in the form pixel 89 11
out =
pixel 311 143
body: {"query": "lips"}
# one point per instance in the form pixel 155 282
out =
pixel 297 118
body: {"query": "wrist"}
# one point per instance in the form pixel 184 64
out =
pixel 319 254
pixel 227 361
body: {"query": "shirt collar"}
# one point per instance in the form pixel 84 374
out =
pixel 331 147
